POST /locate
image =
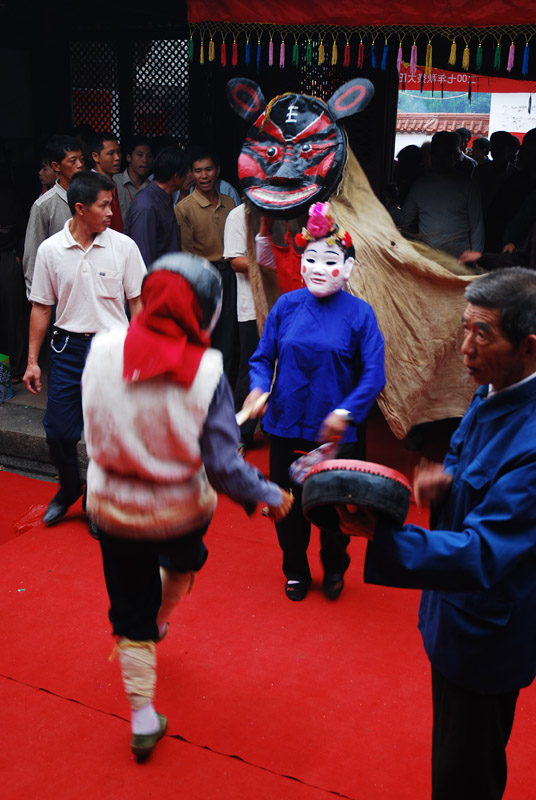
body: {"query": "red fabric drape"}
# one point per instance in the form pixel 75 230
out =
pixel 357 13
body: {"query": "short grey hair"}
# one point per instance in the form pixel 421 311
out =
pixel 513 292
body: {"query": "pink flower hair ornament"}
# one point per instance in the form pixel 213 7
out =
pixel 321 225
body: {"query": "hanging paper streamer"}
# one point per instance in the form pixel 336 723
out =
pixel 497 58
pixel 422 82
pixel 282 55
pixel 234 58
pixel 413 59
pixel 321 52
pixel 511 55
pixel 384 56
pixel 271 53
pixel 442 89
pixel 258 53
pixel 525 65
pixel 248 52
pixel 191 49
pixel 452 56
pixel 399 57
pixel 428 62
pixel 211 50
pixel 469 92
pixel 404 82
pixel 478 60
pixel 465 58
pixel 346 61
pixel 296 53
pixel 360 54
pixel 334 53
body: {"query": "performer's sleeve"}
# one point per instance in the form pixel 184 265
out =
pixel 226 470
pixel 187 230
pixel 372 378
pixel 476 219
pixel 36 233
pixel 262 362
pixel 497 534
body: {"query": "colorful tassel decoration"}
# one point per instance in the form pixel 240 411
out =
pixel 202 53
pixel 428 61
pixel 347 55
pixel 452 57
pixel 511 55
pixel 497 57
pixel 525 65
pixel 466 57
pixel 360 54
pixel 211 50
pixel 296 53
pixel 478 60
pixel 223 54
pixel 413 59
pixel 384 56
pixel 191 49
pixel 399 58
pixel 271 54
pixel 321 52
pixel 234 58
pixel 309 52
pixel 282 56
pixel 248 53
pixel 258 53
pixel 373 55
pixel 334 53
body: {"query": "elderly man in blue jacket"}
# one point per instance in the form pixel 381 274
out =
pixel 478 564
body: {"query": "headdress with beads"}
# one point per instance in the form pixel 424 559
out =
pixel 321 225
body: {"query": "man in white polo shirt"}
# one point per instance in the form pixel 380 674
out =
pixel 87 271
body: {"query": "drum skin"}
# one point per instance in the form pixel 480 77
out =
pixel 360 483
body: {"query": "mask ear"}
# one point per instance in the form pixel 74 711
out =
pixel 245 97
pixel 347 268
pixel 351 97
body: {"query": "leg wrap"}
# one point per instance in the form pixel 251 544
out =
pixel 174 587
pixel 138 669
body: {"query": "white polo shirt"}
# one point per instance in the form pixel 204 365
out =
pixel 89 287
pixel 235 245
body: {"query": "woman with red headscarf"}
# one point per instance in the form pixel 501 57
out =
pixel 162 439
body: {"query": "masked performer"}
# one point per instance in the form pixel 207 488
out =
pixel 161 437
pixel 330 368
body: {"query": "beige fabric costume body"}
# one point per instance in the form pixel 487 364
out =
pixel 417 295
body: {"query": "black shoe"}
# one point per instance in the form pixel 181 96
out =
pixel 332 585
pixel 93 530
pixel 55 511
pixel 296 591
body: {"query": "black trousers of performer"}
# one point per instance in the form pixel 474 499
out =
pixel 470 734
pixel 225 335
pixel 132 575
pixel 294 532
pixel 248 335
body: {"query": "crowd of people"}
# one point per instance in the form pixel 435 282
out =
pixel 138 279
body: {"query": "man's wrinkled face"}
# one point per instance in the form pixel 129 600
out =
pixel 98 215
pixel 324 268
pixel 292 157
pixel 205 173
pixel 72 162
pixel 108 160
pixel 488 356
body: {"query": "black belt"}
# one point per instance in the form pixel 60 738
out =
pixel 61 332
pixel 220 264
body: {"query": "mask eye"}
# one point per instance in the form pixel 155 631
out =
pixel 271 152
pixel 306 148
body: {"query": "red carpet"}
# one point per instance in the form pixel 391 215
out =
pixel 266 699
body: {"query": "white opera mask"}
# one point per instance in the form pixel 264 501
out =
pixel 324 268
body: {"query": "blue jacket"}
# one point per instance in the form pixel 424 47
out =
pixel 329 353
pixel 478 615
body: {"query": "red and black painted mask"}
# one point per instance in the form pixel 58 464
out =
pixel 295 152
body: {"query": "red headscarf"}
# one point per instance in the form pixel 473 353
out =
pixel 165 338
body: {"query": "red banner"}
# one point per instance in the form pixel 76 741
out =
pixel 355 14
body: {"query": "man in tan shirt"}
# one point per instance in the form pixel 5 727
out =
pixel 201 217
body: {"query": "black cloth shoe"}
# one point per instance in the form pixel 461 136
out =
pixel 55 511
pixel 143 744
pixel 333 584
pixel 296 591
pixel 93 530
